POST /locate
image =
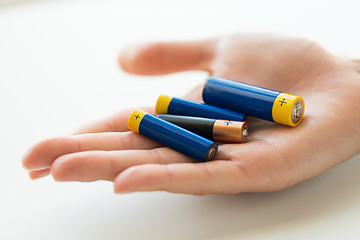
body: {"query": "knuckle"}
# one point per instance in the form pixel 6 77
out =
pixel 113 168
pixel 123 141
pixel 110 123
pixel 157 156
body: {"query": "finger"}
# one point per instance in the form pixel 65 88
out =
pixel 356 63
pixel 115 123
pixel 106 165
pixel 167 57
pixel 198 179
pixel 44 153
pixel 35 174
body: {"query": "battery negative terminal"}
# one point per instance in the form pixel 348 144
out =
pixel 245 133
pixel 297 112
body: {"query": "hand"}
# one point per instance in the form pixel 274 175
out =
pixel 276 156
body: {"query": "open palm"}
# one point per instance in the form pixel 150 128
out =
pixel 274 158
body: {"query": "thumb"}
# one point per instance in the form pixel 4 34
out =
pixel 167 57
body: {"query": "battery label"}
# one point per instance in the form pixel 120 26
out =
pixel 135 119
pixel 283 108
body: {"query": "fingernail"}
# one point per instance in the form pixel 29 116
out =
pixel 121 190
pixel 32 178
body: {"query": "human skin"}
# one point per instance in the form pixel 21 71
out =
pixel 275 157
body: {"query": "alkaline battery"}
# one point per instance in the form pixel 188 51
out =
pixel 255 101
pixel 177 106
pixel 172 136
pixel 214 129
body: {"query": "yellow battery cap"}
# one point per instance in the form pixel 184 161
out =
pixel 288 109
pixel 162 104
pixel 135 119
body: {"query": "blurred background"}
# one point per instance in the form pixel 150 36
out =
pixel 58 70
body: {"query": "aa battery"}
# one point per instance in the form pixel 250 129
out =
pixel 214 129
pixel 255 101
pixel 177 106
pixel 172 136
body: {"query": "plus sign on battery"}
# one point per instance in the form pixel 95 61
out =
pixel 282 101
pixel 228 122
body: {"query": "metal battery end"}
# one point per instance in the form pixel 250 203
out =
pixel 211 154
pixel 297 112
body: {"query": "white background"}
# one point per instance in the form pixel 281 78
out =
pixel 58 69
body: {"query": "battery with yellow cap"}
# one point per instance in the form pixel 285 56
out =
pixel 172 136
pixel 255 101
pixel 178 106
pixel 213 129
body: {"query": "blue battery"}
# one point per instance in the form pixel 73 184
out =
pixel 172 136
pixel 255 101
pixel 178 106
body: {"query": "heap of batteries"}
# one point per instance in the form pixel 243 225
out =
pixel 191 127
